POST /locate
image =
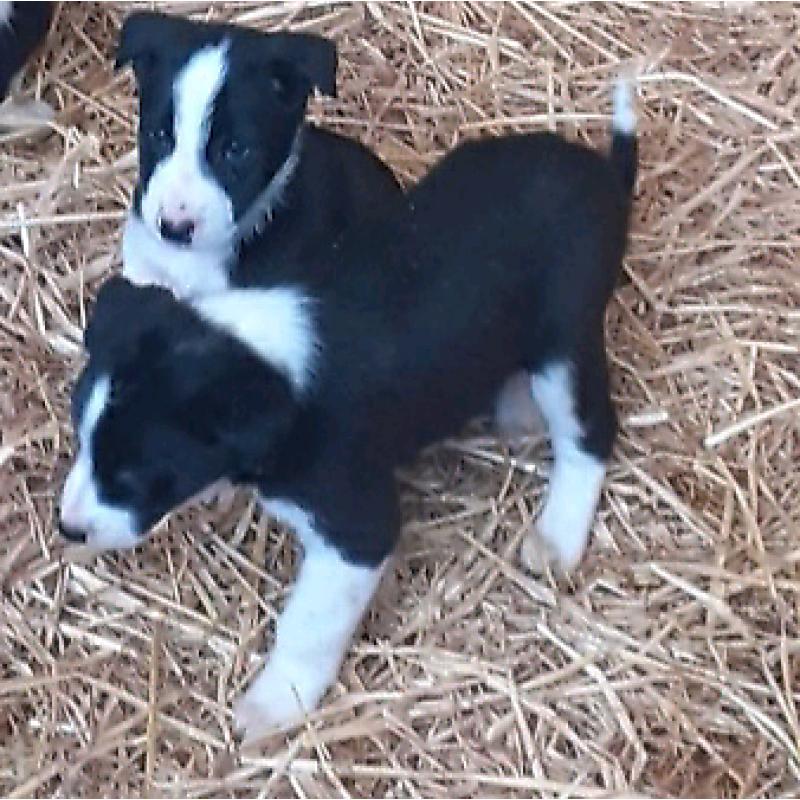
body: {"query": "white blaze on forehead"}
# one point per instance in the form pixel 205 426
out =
pixel 98 398
pixel 181 188
pixel 81 507
pixel 194 92
pixel 276 324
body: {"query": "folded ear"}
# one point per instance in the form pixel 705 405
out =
pixel 248 407
pixel 115 296
pixel 301 62
pixel 122 310
pixel 137 39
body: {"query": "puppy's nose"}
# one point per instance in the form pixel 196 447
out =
pixel 177 232
pixel 72 534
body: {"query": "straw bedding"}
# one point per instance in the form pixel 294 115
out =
pixel 666 665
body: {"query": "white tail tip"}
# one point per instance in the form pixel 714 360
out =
pixel 624 120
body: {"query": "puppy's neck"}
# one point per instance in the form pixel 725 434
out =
pixel 263 208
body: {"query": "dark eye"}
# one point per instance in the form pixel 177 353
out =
pixel 126 483
pixel 116 392
pixel 159 139
pixel 235 153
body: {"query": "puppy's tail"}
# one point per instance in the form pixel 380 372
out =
pixel 624 147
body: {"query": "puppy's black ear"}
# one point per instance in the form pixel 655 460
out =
pixel 249 408
pixel 114 301
pixel 123 311
pixel 302 62
pixel 137 41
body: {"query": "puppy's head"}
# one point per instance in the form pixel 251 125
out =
pixel 166 405
pixel 220 107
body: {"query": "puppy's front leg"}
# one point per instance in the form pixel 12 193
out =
pixel 312 636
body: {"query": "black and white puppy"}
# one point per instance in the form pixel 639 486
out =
pixel 503 260
pixel 22 29
pixel 230 178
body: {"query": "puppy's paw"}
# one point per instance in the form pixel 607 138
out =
pixel 553 546
pixel 275 700
pixel 536 556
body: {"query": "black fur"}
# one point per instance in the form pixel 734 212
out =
pixel 18 40
pixel 504 258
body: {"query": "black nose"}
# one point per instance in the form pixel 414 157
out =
pixel 178 232
pixel 72 534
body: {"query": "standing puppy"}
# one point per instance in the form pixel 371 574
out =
pixel 315 391
pixel 232 183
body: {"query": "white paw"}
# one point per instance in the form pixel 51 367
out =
pixel 558 540
pixel 565 536
pixel 536 556
pixel 566 520
pixel 276 699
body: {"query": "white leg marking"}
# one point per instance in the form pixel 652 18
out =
pixel 311 639
pixel 577 476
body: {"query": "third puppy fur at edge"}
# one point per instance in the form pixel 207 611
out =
pixel 233 184
pixel 314 392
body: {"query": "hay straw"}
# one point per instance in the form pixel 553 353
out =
pixel 666 665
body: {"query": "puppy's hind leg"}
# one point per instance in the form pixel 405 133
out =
pixel 572 395
pixel 515 412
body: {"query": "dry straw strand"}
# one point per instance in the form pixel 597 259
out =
pixel 667 665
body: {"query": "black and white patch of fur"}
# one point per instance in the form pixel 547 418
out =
pixel 503 261
pixel 228 171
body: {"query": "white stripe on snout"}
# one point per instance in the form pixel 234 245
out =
pixel 94 407
pixel 81 507
pixel 79 494
pixel 181 188
pixel 194 92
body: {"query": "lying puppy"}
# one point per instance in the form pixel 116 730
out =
pixel 315 392
pixel 229 176
pixel 22 29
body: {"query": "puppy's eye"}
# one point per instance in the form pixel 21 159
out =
pixel 159 139
pixel 115 392
pixel 235 153
pixel 126 482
